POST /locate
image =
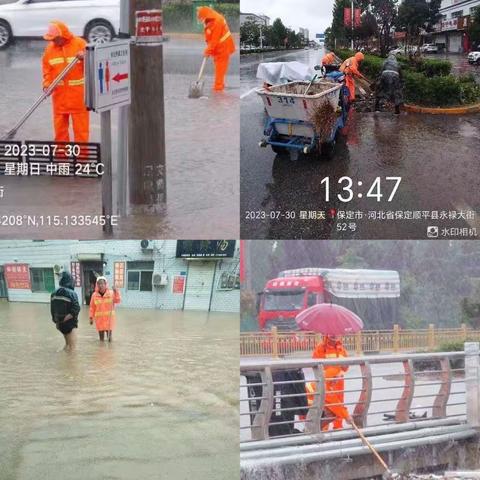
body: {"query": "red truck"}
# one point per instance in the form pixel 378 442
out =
pixel 371 294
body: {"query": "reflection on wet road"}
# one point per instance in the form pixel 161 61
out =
pixel 202 145
pixel 436 156
pixel 159 402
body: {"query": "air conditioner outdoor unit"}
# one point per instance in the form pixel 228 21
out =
pixel 57 269
pixel 160 280
pixel 146 245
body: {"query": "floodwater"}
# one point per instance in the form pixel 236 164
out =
pixel 160 401
pixel 387 387
pixel 202 152
pixel 434 155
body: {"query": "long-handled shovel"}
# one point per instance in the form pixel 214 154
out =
pixel 196 88
pixel 109 331
pixel 310 84
pixel 388 472
pixel 11 133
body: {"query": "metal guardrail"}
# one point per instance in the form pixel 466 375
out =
pixel 276 343
pixel 421 376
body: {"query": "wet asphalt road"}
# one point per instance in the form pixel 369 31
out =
pixel 202 145
pixel 436 156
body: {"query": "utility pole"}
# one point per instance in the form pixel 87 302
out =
pixel 146 139
pixel 353 16
pixel 122 154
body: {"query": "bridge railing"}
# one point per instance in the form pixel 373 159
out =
pixel 279 344
pixel 376 390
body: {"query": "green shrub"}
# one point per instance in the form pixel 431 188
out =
pixel 432 68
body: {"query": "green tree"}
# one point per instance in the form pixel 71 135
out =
pixel 385 13
pixel 474 28
pixel 279 33
pixel 250 34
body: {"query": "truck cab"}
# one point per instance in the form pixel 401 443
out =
pixel 369 293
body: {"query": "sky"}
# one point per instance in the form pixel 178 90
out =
pixel 316 15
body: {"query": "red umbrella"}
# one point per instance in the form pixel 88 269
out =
pixel 329 319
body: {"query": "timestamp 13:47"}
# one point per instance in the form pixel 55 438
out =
pixel 346 189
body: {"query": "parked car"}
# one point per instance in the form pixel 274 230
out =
pixel 429 48
pixel 474 58
pixel 96 20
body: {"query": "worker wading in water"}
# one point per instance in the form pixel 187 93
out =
pixel 102 308
pixel 389 84
pixel 334 410
pixel 68 96
pixel 220 44
pixel 351 68
pixel 64 308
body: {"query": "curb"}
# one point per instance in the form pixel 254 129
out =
pixel 475 108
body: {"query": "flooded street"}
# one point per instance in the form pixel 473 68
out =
pixel 161 401
pixel 202 151
pixel 434 155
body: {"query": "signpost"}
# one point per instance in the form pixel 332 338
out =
pixel 107 86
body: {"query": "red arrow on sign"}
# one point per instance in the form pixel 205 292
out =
pixel 120 76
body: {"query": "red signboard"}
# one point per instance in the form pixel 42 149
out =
pixel 17 276
pixel 119 275
pixel 347 17
pixel 178 284
pixel 149 26
pixel 75 271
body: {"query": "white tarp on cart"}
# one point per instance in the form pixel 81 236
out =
pixel 276 73
pixel 345 283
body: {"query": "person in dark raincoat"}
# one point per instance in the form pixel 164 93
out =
pixel 389 85
pixel 64 308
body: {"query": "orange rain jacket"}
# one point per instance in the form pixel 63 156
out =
pixel 328 59
pixel 68 96
pixel 102 308
pixel 217 34
pixel 334 382
pixel 351 68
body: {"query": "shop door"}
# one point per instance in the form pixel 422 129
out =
pixel 455 43
pixel 199 286
pixel 90 271
pixel 3 285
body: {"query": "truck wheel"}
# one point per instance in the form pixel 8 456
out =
pixel 99 31
pixel 5 34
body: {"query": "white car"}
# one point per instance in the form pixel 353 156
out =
pixel 429 48
pixel 96 20
pixel 474 58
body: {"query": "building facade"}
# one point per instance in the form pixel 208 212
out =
pixel 254 18
pixel 451 33
pixel 156 274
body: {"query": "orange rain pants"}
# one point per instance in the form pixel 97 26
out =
pixel 220 44
pixel 334 384
pixel 102 309
pixel 68 96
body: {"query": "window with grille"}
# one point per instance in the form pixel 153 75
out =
pixel 43 279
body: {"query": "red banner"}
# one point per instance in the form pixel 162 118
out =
pixel 17 276
pixel 119 274
pixel 358 18
pixel 178 284
pixel 347 17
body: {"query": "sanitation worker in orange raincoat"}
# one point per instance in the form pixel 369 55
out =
pixel 68 95
pixel 220 44
pixel 335 411
pixel 102 308
pixel 328 59
pixel 351 68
